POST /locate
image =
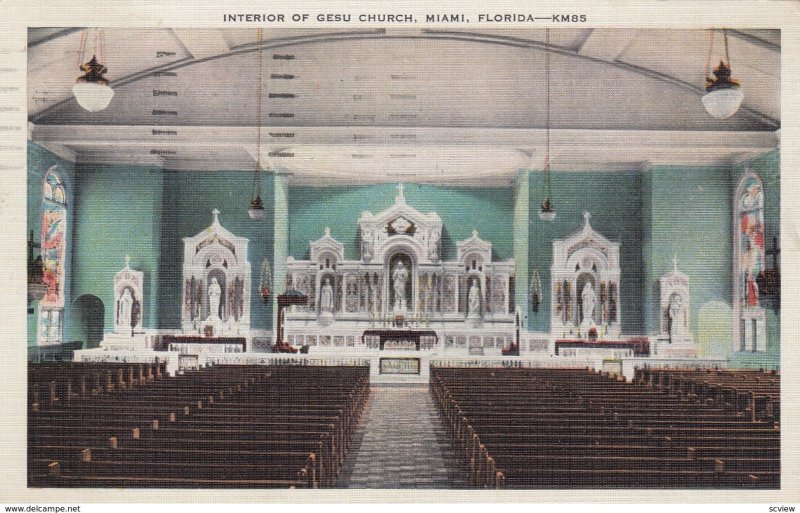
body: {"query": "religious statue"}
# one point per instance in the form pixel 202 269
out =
pixel 214 294
pixel 366 245
pixel 433 246
pixel 125 309
pixel 676 319
pixel 474 297
pixel 326 296
pixel 399 278
pixel 589 298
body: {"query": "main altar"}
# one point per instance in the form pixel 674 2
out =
pixel 401 281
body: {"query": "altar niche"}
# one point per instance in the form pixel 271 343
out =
pixel 585 278
pixel 216 283
pixel 400 274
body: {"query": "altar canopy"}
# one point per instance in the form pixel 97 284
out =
pixel 216 282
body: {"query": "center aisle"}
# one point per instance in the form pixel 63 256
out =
pixel 400 443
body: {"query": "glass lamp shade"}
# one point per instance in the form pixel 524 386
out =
pixel 546 211
pixel 92 96
pixel 723 102
pixel 256 211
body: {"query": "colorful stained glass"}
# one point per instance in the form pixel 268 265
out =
pixel 751 235
pixel 54 220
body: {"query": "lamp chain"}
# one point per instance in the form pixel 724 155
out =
pixel 257 177
pixel 710 51
pixel 725 38
pixel 547 114
pixel 82 47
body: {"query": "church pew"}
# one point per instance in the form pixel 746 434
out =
pixel 477 410
pixel 636 478
pixel 338 401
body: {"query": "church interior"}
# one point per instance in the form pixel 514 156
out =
pixel 404 258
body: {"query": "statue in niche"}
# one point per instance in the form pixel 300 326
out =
pixel 214 294
pixel 399 278
pixel 366 245
pixel 474 299
pixel 326 296
pixel 677 319
pixel 589 299
pixel 125 310
pixel 433 245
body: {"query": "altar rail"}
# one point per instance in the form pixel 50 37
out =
pixel 516 362
pixel 284 360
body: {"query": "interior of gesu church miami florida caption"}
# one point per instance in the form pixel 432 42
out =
pixel 506 258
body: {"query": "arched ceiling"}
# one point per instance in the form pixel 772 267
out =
pixel 419 104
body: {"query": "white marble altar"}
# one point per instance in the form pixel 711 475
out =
pixel 400 276
pixel 585 276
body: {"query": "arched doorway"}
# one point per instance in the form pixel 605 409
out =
pixel 88 320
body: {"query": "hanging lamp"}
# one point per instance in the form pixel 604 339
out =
pixel 547 211
pixel 723 95
pixel 91 90
pixel 256 210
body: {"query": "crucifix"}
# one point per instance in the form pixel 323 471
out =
pixel 586 216
pixel 400 197
pixel 675 262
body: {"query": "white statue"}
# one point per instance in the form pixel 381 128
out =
pixel 433 246
pixel 214 293
pixel 400 277
pixel 125 309
pixel 326 296
pixel 474 299
pixel 677 328
pixel 588 304
pixel 366 245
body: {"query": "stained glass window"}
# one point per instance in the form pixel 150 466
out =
pixel 53 251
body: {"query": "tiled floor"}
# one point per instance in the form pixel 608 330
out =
pixel 400 443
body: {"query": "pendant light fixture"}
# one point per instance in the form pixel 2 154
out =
pixel 547 211
pixel 723 95
pixel 91 90
pixel 256 211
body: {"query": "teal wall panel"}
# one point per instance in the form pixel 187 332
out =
pixel 689 217
pixel 189 198
pixel 117 213
pixel 614 201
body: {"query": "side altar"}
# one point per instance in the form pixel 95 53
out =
pixel 216 283
pixel 400 278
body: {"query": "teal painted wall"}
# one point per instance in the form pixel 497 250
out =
pixel 614 200
pixel 39 161
pixel 117 213
pixel 688 215
pixel 489 210
pixel 682 210
pixel 767 167
pixel 188 199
